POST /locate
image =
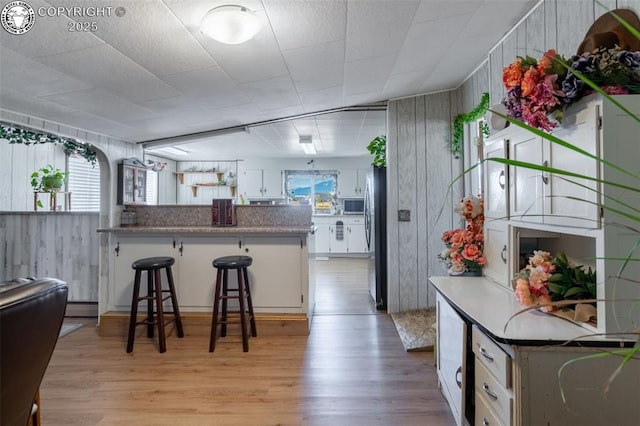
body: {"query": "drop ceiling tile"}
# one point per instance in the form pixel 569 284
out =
pixel 320 100
pixel 211 87
pixel 368 75
pixel 15 100
pixel 83 120
pixel 109 107
pixel 424 46
pixel 32 78
pixel 306 23
pixel 406 84
pixel 163 49
pixel 271 94
pixel 106 68
pixel 391 20
pixel 317 67
pixel 477 27
pixel 433 10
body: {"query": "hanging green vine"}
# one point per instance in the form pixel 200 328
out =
pixel 30 137
pixel 461 119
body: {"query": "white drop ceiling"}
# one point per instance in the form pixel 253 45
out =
pixel 151 74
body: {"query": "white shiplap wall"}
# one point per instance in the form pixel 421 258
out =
pixel 558 24
pixel 65 246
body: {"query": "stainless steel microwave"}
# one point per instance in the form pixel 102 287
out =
pixel 353 206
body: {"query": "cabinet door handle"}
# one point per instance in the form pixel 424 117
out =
pixel 503 254
pixel 459 372
pixel 485 354
pixel 492 395
pixel 545 178
pixel 485 422
pixel 117 249
pixel 501 179
pixel 181 248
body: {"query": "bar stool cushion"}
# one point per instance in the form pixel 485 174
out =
pixel 232 262
pixel 153 263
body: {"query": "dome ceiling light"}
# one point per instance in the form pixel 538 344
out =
pixel 230 24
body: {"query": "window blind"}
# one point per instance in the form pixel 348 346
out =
pixel 84 185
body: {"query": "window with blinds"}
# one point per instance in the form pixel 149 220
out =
pixel 84 185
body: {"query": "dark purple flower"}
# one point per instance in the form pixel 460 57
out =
pixel 572 87
pixel 630 59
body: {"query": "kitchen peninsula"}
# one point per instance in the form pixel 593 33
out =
pixel 277 237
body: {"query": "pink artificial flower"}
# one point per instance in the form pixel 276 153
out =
pixel 457 239
pixel 471 252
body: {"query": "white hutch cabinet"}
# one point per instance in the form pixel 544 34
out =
pixel 517 356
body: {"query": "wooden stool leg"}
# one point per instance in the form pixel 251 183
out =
pixel 174 303
pixel 214 320
pixel 243 320
pixel 159 311
pixel 252 319
pixel 150 303
pixel 134 312
pixel 225 287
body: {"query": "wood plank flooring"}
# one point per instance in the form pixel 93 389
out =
pixel 350 370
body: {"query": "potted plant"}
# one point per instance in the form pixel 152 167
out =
pixel 378 148
pixel 48 179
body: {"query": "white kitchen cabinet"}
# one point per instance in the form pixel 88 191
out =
pixel 526 198
pixel 356 238
pixel 496 251
pixel 566 206
pixel 340 235
pixel 197 275
pixel 323 234
pixel 352 183
pixel 451 357
pixel 128 249
pixel 516 361
pixel 496 192
pixel 262 183
pixel 275 284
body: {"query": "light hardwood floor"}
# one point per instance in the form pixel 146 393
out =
pixel 350 370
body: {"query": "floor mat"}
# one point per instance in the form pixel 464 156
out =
pixel 417 328
pixel 68 328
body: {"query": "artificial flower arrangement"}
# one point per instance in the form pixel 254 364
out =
pixel 537 90
pixel 465 245
pixel 548 279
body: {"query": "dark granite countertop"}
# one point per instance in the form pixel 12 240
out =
pixel 209 229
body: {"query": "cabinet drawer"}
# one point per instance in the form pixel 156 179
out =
pixel 484 416
pixel 492 357
pixel 355 221
pixel 495 395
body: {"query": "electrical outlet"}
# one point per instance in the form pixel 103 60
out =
pixel 404 215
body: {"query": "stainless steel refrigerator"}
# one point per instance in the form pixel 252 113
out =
pixel 375 225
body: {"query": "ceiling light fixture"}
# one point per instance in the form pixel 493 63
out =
pixel 230 24
pixel 172 150
pixel 307 145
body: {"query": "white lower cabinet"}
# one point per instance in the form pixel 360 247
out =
pixel 497 252
pixel 276 286
pixel 128 249
pixel 197 276
pixel 451 357
pixel 340 234
pixel 522 382
pixel 274 283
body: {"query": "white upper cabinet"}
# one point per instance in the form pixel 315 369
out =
pixel 526 198
pixel 262 183
pixel 496 194
pixel 351 183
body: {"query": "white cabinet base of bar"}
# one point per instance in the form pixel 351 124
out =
pixel 278 276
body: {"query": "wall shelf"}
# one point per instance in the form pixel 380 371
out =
pixel 181 175
pixel 194 188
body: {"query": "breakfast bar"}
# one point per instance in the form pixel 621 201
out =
pixel 276 237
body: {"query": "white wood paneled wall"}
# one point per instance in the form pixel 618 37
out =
pixel 420 168
pixel 61 245
pixel 44 253
pixel 420 162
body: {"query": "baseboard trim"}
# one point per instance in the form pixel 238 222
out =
pixel 81 310
pixel 114 323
